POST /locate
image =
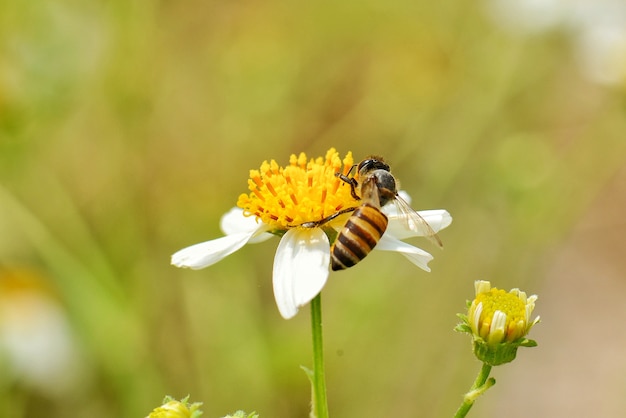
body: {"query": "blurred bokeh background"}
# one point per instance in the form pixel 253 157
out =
pixel 127 128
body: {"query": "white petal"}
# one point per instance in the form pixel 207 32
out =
pixel 497 329
pixel 210 252
pixel 415 255
pixel 438 219
pixel 476 318
pixel 300 268
pixel 482 286
pixel 233 222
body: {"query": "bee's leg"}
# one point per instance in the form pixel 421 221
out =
pixel 315 224
pixel 352 169
pixel 352 182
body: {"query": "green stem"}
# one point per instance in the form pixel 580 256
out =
pixel 320 403
pixel 481 384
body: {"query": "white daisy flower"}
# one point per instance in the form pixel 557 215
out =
pixel 281 200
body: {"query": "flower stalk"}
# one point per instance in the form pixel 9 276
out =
pixel 318 379
pixel 481 384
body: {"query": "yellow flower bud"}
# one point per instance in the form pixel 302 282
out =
pixel 172 408
pixel 499 322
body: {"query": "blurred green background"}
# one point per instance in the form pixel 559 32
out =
pixel 127 128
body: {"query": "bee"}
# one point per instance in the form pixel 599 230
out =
pixel 367 223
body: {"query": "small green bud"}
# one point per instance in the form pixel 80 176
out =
pixel 241 414
pixel 172 408
pixel 498 322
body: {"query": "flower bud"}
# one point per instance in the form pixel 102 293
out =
pixel 241 414
pixel 172 408
pixel 498 322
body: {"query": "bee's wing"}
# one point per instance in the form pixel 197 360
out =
pixel 414 222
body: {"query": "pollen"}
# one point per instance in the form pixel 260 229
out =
pixel 502 313
pixel 306 190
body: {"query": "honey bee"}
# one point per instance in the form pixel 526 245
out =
pixel 367 223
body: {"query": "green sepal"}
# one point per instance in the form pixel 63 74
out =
pixel 195 413
pixel 494 355
pixel 462 327
pixel 501 353
pixel 242 414
pixel 528 343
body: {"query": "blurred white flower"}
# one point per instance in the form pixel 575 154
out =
pixel 597 28
pixel 36 340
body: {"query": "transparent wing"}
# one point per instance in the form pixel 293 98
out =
pixel 414 222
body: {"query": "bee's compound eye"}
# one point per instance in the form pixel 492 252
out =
pixel 371 164
pixel 366 165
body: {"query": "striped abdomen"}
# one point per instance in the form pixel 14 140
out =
pixel 358 237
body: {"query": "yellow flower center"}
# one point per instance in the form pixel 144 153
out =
pixel 304 191
pixel 507 303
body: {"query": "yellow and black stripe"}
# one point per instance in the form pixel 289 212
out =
pixel 358 237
